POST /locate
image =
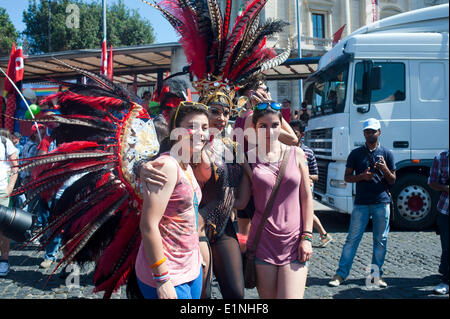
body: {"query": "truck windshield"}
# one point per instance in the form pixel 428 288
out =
pixel 329 91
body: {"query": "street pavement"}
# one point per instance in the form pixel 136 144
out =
pixel 410 269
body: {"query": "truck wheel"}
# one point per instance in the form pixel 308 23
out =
pixel 414 203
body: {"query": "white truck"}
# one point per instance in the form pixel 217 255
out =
pixel 395 70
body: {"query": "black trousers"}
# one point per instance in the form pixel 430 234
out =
pixel 442 221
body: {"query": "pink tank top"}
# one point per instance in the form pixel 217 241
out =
pixel 281 234
pixel 178 228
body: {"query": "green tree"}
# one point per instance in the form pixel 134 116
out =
pixel 8 33
pixel 124 26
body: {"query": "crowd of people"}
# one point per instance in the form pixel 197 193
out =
pixel 200 218
pixel 161 197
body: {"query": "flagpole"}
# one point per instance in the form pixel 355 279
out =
pixel 104 19
pixel 26 103
pixel 300 83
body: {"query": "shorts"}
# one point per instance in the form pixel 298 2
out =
pixel 248 211
pixel 189 290
pixel 262 262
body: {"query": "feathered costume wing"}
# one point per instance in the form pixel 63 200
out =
pixel 222 57
pixel 101 133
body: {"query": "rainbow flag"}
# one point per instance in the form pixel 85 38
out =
pixel 44 91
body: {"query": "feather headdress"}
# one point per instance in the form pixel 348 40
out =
pixel 101 133
pixel 222 58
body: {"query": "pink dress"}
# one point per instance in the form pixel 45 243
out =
pixel 281 234
pixel 179 234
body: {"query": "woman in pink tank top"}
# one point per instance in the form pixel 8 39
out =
pixel 285 244
pixel 168 264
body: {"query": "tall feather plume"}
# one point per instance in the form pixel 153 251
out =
pixel 256 35
pixel 216 22
pixel 254 8
pixel 226 20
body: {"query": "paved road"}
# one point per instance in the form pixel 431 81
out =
pixel 410 269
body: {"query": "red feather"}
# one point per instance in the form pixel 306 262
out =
pixel 128 227
pixel 227 18
pixel 194 43
pixel 93 213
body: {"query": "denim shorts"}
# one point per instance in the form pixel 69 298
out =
pixel 262 262
pixel 189 290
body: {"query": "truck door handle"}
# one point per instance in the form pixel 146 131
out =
pixel 401 144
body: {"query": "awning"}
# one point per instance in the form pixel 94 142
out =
pixel 293 69
pixel 144 61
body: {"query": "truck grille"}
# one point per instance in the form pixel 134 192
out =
pixel 320 141
pixel 321 185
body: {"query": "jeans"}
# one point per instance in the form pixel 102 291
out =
pixel 359 220
pixel 442 221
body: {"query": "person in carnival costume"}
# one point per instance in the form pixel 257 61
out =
pixel 222 60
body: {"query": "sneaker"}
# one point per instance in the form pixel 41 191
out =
pixel 4 268
pixel 382 283
pixel 325 240
pixel 46 263
pixel 336 280
pixel 441 289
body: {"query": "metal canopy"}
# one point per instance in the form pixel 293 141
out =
pixel 293 69
pixel 144 61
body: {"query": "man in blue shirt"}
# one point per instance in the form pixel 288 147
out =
pixel 372 168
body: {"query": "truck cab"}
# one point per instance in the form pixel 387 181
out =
pixel 395 70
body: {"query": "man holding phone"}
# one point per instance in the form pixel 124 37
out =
pixel 372 168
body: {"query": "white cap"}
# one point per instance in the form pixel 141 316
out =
pixel 371 124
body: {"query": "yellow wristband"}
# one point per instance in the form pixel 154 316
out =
pixel 158 263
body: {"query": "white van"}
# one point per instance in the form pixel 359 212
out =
pixel 395 70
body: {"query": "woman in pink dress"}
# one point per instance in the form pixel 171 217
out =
pixel 285 244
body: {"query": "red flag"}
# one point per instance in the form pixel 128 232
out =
pixel 104 61
pixel 375 10
pixel 18 60
pixel 337 36
pixel 11 71
pixel 10 111
pixel 110 63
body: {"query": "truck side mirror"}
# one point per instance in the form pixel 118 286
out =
pixel 375 78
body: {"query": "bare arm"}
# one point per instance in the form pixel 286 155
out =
pixel 155 202
pixel 351 178
pixel 244 190
pixel 287 134
pixel 439 187
pixel 13 159
pixel 307 207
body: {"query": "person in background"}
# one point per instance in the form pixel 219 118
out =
pixel 8 176
pixel 299 130
pixel 286 110
pixel 304 114
pixel 438 180
pixel 372 168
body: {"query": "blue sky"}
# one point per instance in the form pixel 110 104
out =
pixel 164 31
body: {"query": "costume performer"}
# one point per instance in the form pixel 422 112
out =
pixel 101 132
pixel 222 60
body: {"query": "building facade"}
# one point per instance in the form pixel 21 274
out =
pixel 319 21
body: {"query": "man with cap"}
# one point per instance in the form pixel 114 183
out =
pixel 372 168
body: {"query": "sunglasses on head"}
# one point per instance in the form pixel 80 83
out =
pixel 264 105
pixel 187 103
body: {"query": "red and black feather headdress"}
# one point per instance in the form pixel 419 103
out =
pixel 221 57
